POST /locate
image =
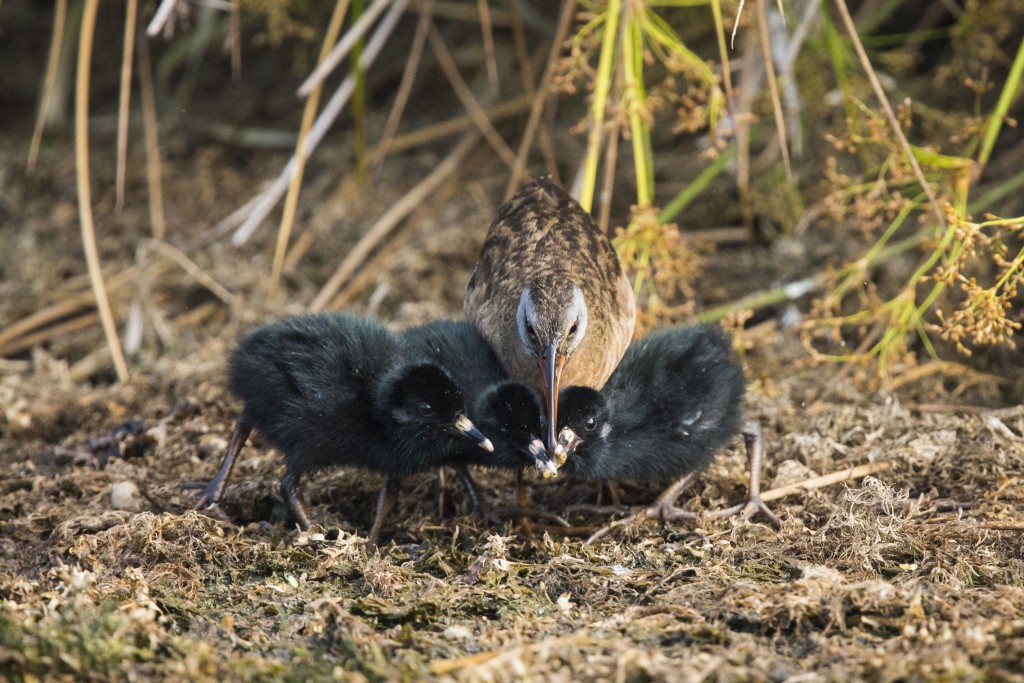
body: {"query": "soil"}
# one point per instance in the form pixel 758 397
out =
pixel 107 573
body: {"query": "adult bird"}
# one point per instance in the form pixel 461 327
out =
pixel 549 294
pixel 673 403
pixel 331 390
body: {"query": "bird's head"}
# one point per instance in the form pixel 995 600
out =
pixel 552 321
pixel 512 414
pixel 583 430
pixel 427 410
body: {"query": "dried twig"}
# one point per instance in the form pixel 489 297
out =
pixel 263 203
pixel 824 480
pixel 160 17
pixel 611 156
pixel 773 86
pixel 344 46
pixel 57 331
pixel 487 31
pixel 154 167
pixel 529 87
pixel 372 267
pixel 476 112
pixel 643 513
pixel 412 64
pixel 458 124
pixel 235 31
pixel 45 316
pixel 291 201
pixel 92 256
pixel 894 123
pixel 60 18
pixel 193 269
pixel 383 227
pixel 543 90
pixel 127 57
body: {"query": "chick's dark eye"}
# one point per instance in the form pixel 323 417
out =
pixel 591 424
pixel 575 326
pixel 530 331
pixel 425 409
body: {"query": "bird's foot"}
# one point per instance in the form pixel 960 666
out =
pixel 748 509
pixel 753 439
pixel 210 500
pixel 662 511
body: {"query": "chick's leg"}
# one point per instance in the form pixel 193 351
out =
pixel 214 489
pixel 385 504
pixel 290 493
pixel 753 439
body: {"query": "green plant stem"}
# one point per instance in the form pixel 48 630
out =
pixel 699 184
pixel 1012 184
pixel 1010 90
pixel 602 83
pixel 836 47
pixel 633 61
pixel 359 95
pixel 793 290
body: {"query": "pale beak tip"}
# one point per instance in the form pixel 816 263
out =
pixel 548 470
pixel 487 445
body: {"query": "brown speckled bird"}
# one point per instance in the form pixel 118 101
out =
pixel 549 294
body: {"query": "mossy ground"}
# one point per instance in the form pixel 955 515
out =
pixel 915 574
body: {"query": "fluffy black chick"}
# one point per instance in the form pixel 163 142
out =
pixel 511 413
pixel 674 401
pixel 332 390
pixel 463 352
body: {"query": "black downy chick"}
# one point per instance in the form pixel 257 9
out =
pixel 463 352
pixel 674 401
pixel 333 390
pixel 514 417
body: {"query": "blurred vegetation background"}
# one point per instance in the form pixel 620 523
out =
pixel 849 173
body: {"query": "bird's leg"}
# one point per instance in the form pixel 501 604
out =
pixel 290 492
pixel 479 506
pixel 385 504
pixel 664 506
pixel 662 509
pixel 214 489
pixel 500 514
pixel 613 492
pixel 753 439
pixel 524 511
pixel 525 528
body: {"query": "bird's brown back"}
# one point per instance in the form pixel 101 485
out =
pixel 542 235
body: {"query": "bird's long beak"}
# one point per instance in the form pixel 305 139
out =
pixel 465 427
pixel 551 365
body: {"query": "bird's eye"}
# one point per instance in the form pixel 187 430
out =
pixel 530 331
pixel 591 424
pixel 425 409
pixel 575 326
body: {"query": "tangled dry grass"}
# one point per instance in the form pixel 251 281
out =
pixel 913 574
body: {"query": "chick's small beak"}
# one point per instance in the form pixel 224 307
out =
pixel 465 427
pixel 546 467
pixel 568 440
pixel 551 365
pixel 560 453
